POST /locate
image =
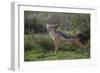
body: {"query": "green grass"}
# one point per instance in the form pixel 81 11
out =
pixel 40 47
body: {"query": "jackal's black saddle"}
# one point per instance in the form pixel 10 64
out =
pixel 66 36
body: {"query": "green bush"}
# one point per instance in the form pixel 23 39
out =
pixel 41 47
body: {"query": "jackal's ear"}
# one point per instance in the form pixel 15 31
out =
pixel 47 25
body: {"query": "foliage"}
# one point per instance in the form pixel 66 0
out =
pixel 41 47
pixel 38 44
pixel 82 23
pixel 35 22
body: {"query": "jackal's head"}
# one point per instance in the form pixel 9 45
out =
pixel 51 27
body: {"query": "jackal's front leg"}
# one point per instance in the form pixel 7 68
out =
pixel 56 46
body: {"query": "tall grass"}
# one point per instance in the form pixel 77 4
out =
pixel 41 47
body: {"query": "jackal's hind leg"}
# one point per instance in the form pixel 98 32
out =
pixel 80 45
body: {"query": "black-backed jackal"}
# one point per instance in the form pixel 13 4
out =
pixel 58 37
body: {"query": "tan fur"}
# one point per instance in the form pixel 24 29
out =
pixel 58 38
